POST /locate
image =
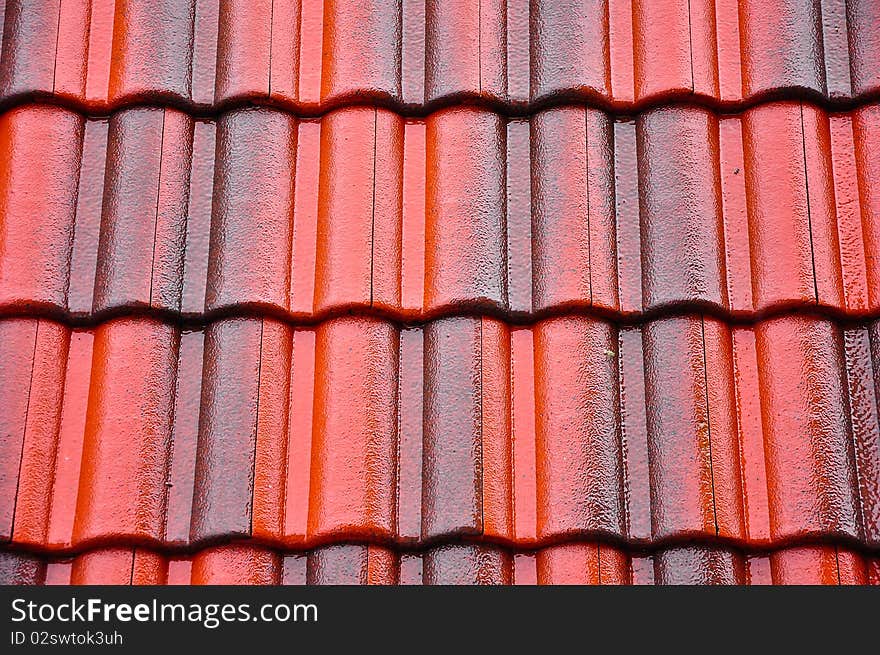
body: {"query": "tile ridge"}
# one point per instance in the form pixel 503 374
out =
pixel 592 538
pixel 383 100
pixel 401 318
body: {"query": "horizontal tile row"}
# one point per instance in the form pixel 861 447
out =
pixel 564 564
pixel 774 208
pixel 310 55
pixel 358 430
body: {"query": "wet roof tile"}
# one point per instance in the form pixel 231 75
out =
pixel 440 292
pixel 772 209
pixel 566 564
pixel 681 427
pixel 310 55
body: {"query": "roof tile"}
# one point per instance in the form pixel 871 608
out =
pixel 773 210
pixel 575 563
pixel 39 170
pixel 124 461
pixel 678 176
pixel 354 447
pixel 231 394
pixel 452 499
pixel 309 55
pixel 249 257
pixel 579 473
pixel 464 200
pixel 647 434
pixel 312 292
pixel 802 380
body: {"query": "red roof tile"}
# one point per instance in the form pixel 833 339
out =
pixel 310 55
pixel 775 208
pixel 577 563
pixel 496 292
pixel 525 435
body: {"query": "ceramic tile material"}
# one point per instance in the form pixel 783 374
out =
pixel 683 427
pixel 566 564
pixel 311 55
pixel 775 208
pixel 434 292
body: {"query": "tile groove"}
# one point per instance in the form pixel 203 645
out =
pixel 708 422
pixel 691 45
pixel 809 212
pixel 57 40
pixel 373 204
pixel 24 432
pixel 587 194
pixel 158 199
pixel 253 471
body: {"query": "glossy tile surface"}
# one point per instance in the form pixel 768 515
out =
pixel 459 291
pixel 743 215
pixel 312 55
pixel 569 564
pixel 358 429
